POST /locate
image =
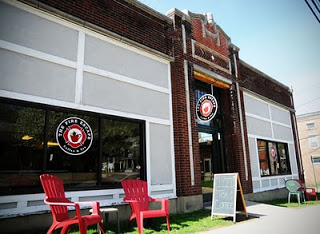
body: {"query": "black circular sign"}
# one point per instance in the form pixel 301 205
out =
pixel 74 136
pixel 206 107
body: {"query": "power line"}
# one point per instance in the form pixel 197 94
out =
pixel 308 102
pixel 298 92
pixel 313 10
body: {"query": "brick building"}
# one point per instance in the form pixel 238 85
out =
pixel 254 129
pixel 309 131
pixel 136 78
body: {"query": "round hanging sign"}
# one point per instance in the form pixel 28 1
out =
pixel 74 136
pixel 206 107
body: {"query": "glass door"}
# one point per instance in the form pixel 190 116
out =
pixel 210 135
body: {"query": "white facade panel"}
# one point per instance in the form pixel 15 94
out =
pixel 282 132
pixel 28 75
pixel 259 127
pixel 280 115
pixel 113 58
pixel 31 31
pixel 160 155
pixel 256 107
pixel 294 167
pixel 254 161
pixel 112 94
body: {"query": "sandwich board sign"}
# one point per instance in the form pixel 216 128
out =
pixel 227 195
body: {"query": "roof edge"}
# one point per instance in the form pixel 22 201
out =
pixel 264 75
pixel 150 10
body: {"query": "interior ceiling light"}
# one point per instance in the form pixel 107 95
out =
pixel 52 143
pixel 26 137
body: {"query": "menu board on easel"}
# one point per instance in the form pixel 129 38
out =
pixel 227 196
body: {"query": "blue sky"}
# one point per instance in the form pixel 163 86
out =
pixel 279 37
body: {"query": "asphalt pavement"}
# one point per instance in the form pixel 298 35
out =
pixel 268 219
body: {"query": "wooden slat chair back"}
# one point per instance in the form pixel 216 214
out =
pixel 58 203
pixel 137 196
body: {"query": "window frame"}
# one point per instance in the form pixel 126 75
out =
pixel 317 157
pixel 278 158
pixel 70 111
pixel 311 123
pixel 311 142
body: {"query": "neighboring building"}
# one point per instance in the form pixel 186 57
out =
pixel 133 79
pixel 309 136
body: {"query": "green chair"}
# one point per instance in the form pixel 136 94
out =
pixel 294 189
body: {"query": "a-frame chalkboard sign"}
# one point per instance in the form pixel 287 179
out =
pixel 227 196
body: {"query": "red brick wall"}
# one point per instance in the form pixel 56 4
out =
pixel 259 84
pixel 122 18
pixel 210 41
pixel 233 142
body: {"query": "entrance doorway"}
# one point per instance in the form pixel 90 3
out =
pixel 210 135
pixel 211 150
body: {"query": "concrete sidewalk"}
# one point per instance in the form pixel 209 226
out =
pixel 274 220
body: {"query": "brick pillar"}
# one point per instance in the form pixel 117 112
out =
pixel 180 120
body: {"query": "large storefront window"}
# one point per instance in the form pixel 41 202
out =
pixel 29 148
pixel 273 158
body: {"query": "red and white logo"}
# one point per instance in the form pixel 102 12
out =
pixel 74 136
pixel 206 107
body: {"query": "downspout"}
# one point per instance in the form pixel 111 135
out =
pixel 296 136
pixel 241 120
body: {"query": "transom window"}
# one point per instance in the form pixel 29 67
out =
pixel 273 158
pixel 29 148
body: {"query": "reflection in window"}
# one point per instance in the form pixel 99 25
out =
pixel 205 138
pixel 21 143
pixel 273 158
pixel 120 150
pixel 264 167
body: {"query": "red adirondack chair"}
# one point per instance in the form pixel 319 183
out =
pixel 137 196
pixel 55 198
pixel 307 191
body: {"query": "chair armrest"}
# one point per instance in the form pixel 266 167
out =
pixel 54 202
pixel 95 206
pixel 164 203
pixel 134 204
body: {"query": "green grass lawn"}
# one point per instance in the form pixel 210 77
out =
pixel 193 222
pixel 294 202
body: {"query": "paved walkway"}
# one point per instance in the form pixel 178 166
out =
pixel 274 220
